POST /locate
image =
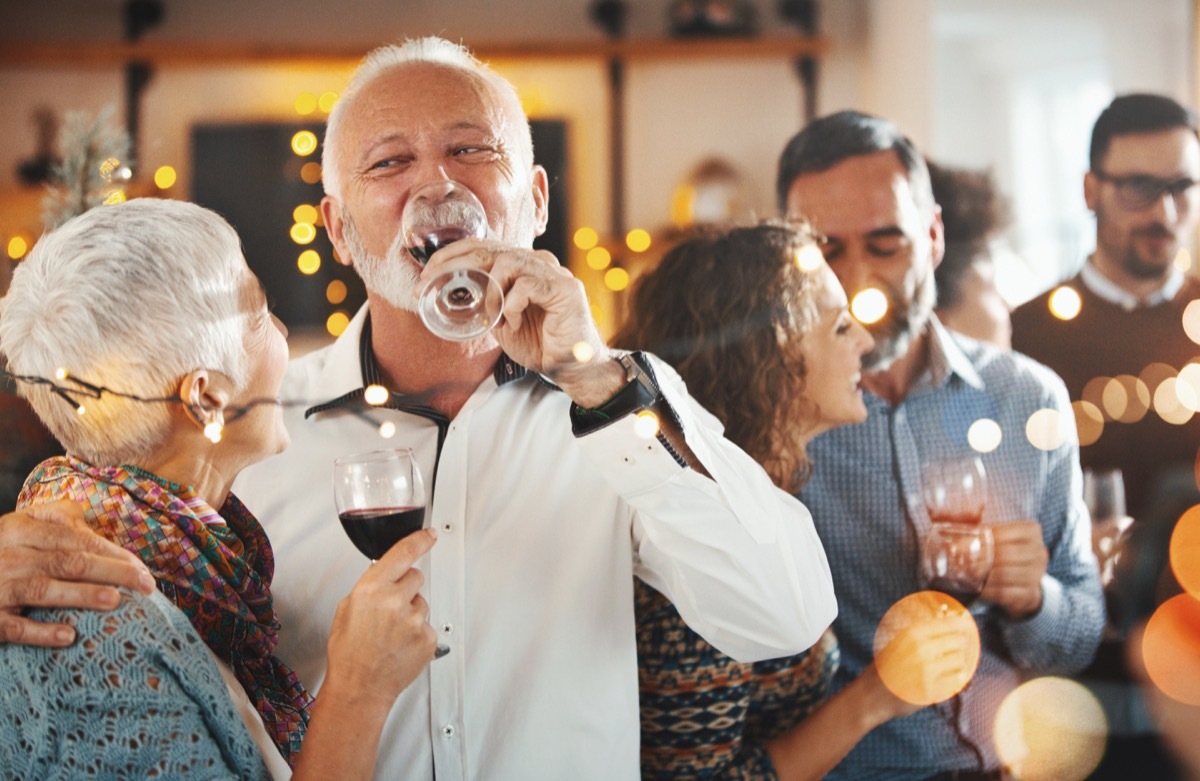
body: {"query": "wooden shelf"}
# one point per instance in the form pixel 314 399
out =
pixel 206 55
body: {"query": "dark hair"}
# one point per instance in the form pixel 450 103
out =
pixel 719 308
pixel 1136 113
pixel 972 210
pixel 829 140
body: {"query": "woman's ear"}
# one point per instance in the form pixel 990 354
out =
pixel 206 401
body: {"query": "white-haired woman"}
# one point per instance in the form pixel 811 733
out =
pixel 153 299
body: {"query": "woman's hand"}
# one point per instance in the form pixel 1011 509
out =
pixel 381 638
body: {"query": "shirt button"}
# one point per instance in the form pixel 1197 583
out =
pixel 447 527
pixel 447 628
pixel 448 731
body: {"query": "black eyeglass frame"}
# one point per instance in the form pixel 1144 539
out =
pixel 1139 191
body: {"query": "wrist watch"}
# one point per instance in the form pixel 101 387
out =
pixel 639 392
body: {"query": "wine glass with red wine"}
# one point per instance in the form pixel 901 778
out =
pixel 380 500
pixel 464 302
pixel 958 550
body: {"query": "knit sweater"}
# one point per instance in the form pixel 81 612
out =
pixel 137 694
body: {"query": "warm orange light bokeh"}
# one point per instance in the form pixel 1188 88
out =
pixel 1171 648
pixel 926 648
pixel 1185 551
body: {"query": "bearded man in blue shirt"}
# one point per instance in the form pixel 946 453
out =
pixel 866 190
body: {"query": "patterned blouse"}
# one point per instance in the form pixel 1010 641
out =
pixel 706 716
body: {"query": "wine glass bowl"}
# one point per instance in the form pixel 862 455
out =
pixel 1104 494
pixel 380 499
pixel 958 551
pixel 462 302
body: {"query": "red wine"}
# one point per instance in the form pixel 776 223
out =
pixel 375 531
pixel 435 240
pixel 958 519
pixel 963 592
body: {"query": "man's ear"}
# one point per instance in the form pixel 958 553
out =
pixel 541 197
pixel 937 234
pixel 205 397
pixel 1091 190
pixel 331 213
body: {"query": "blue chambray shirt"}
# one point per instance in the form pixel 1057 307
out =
pixel 865 497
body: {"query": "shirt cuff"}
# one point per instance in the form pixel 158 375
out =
pixel 1042 624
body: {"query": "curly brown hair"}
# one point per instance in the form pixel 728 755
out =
pixel 726 310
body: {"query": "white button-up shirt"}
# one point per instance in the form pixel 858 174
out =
pixel 531 580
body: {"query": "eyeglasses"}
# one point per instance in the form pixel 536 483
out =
pixel 1137 191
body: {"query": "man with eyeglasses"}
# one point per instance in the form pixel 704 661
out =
pixel 1127 339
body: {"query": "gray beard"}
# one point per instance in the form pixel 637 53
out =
pixel 900 326
pixel 394 277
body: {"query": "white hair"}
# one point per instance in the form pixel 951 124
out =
pixel 130 297
pixel 430 49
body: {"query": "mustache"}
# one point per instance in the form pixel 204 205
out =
pixel 1155 231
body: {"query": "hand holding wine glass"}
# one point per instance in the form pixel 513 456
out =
pixel 380 500
pixel 463 302
pixel 957 552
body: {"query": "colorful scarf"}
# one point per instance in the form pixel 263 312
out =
pixel 216 567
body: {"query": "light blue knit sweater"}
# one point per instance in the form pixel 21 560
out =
pixel 136 695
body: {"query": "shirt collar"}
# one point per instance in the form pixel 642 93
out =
pixel 507 370
pixel 945 359
pixel 1111 292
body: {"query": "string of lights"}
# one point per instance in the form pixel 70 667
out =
pixel 71 388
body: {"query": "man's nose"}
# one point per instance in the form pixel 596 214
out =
pixel 853 271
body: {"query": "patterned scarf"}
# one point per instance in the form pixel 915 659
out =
pixel 216 567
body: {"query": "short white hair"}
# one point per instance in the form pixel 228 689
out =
pixel 430 49
pixel 131 297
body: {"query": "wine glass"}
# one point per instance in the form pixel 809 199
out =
pixel 958 551
pixel 464 302
pixel 1104 494
pixel 380 500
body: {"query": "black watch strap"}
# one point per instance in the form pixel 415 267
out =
pixel 639 392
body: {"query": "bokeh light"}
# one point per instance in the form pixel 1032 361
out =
pixel 376 395
pixel 583 352
pixel 1175 401
pixel 1185 551
pixel 1046 429
pixel 309 262
pixel 1050 729
pixel 809 258
pixel 926 648
pixel 638 240
pixel 1093 393
pixel 335 292
pixel 1183 260
pixel 1191 320
pixel 1171 648
pixel 304 143
pixel 585 238
pixel 115 197
pixel 984 435
pixel 869 306
pixel 306 213
pixel 303 233
pixel 336 323
pixel 387 429
pixel 1089 421
pixel 17 247
pixel 598 258
pixel 616 279
pixel 1189 378
pixel 306 103
pixel 1065 303
pixel 598 314
pixel 646 424
pixel 1126 398
pixel 165 177
pixel 310 172
pixel 326 101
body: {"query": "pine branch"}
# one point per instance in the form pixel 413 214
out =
pixel 92 168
